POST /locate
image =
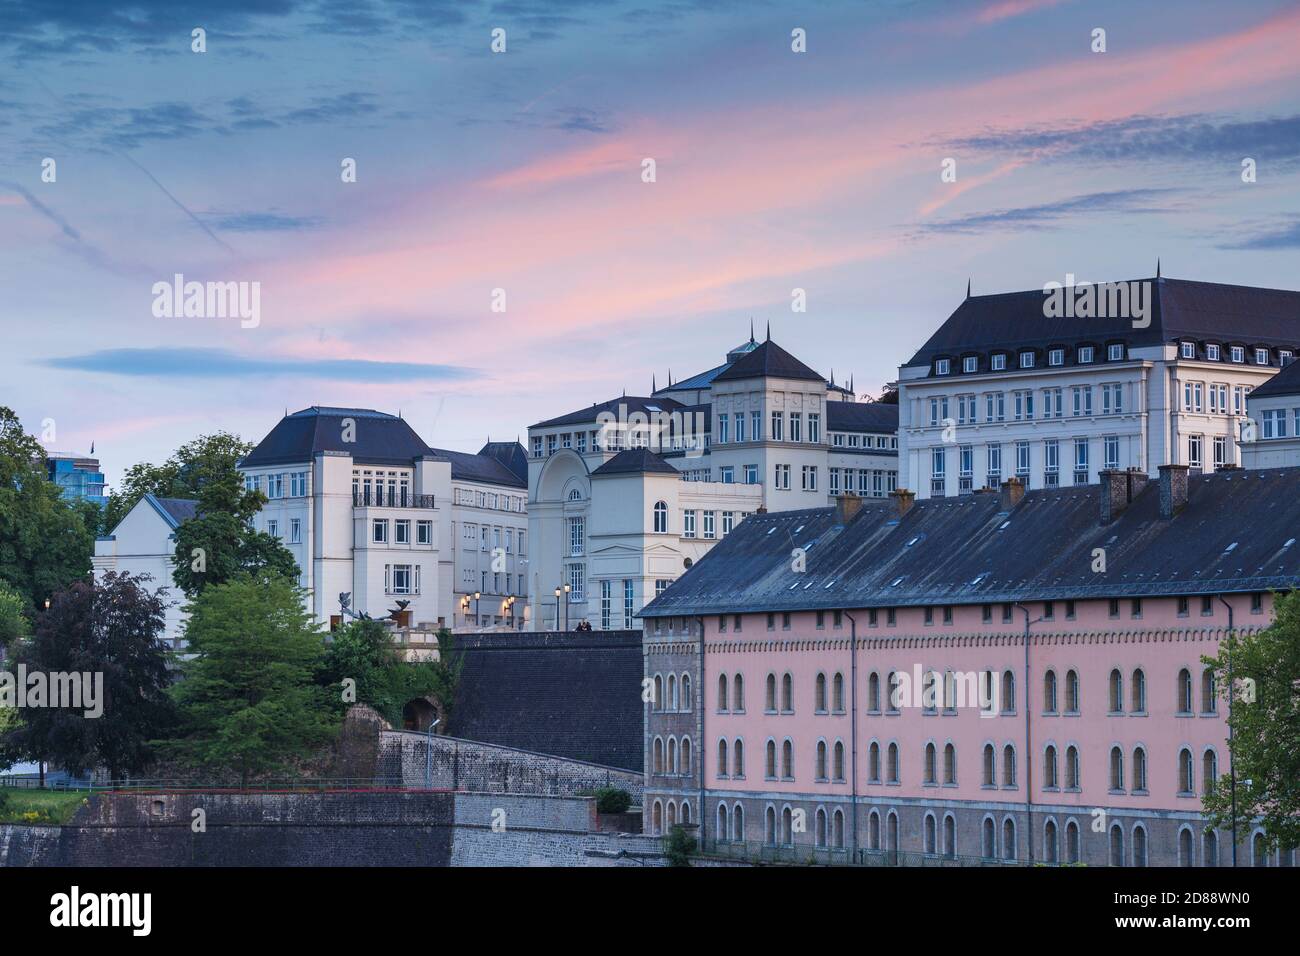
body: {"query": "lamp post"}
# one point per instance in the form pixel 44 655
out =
pixel 428 754
pixel 567 589
pixel 557 607
pixel 477 595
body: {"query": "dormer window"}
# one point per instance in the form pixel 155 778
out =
pixel 1284 358
pixel 999 361
pixel 1189 350
pixel 1056 357
pixel 1261 356
pixel 970 363
pixel 1212 353
pixel 1238 353
pixel 1115 352
pixel 1086 354
pixel 942 366
pixel 1026 359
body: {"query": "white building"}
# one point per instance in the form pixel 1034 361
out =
pixel 625 495
pixel 1272 439
pixel 1003 390
pixel 367 508
pixel 144 542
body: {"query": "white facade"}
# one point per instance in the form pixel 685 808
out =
pixel 144 542
pixel 1272 438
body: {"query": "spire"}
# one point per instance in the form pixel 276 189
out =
pixel 92 447
pixel 1157 267
pixel 653 387
pixel 670 378
pixel 832 375
pixel 751 328
pixel 968 287
pixel 855 394
pixel 769 330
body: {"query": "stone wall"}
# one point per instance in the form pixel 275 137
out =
pixel 454 764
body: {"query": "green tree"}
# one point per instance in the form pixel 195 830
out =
pixel 13 620
pixel 248 702
pixel 44 544
pixel 220 542
pixel 183 475
pixel 363 652
pixel 110 630
pixel 1265 720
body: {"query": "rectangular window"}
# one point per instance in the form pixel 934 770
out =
pixel 1115 352
pixel 298 484
pixel 942 366
pixel 424 532
pixel 1220 452
pixel 1081 461
pixel 1024 405
pixel 938 469
pixel 1111 454
pixel 1086 354
pixel 740 426
pixel 756 426
pixel 1022 461
pixel 401 579
pixel 710 524
pixel 751 474
pixel 995 407
pixel 999 361
pixel 577 536
pixel 629 605
pixel 295 530
pixel 782 478
pixel 606 604
pixel 778 424
pixel 1056 357
pixel 970 363
pixel 688 524
pixel 728 522
pixel 1082 399
pixel 401 532
pixel 809 477
pixel 1195 451
pixel 814 428
pixel 379 532
pixel 994 464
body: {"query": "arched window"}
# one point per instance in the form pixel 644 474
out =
pixel 1072 692
pixel 787 759
pixel 1185 845
pixel 787 693
pixel 771 759
pixel 1139 691
pixel 930 691
pixel 672 754
pixel 1209 848
pixel 1139 769
pixel 819 694
pixel 1049 692
pixel 1071 842
pixel 1008 766
pixel 893 701
pixel 659 755
pixel 738 758
pixel 837 693
pixel 671 702
pixel 929 764
pixel 722 757
pixel 1116 691
pixel 873 831
pixel 686 692
pixel 738 693
pixel 950 764
pixel 686 811
pixel 1008 839
pixel 771 694
pixel 657 818
pixel 1209 699
pixel 990 766
pixel 837 830
pixel 1186 781
pixel 787 827
pixel 930 834
pixel 873 763
pixel 1116 769
pixel 575 494
pixel 722 693
pixel 949 691
pixel 770 826
pixel 1116 845
pixel 838 765
pixel 1049 768
pixel 1072 768
pixel 1049 842
pixel 949 836
pixel 672 814
pixel 1209 771
pixel 821 828
pixel 873 692
pixel 661 518
pixel 1008 692
pixel 1140 845
pixel 724 826
pixel 821 760
pixel 891 835
pixel 658 703
pixel 738 823
pixel 990 837
pixel 686 755
pixel 891 763
pixel 1184 691
pixel 1259 851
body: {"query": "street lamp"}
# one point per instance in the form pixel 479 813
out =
pixel 567 589
pixel 557 607
pixel 428 754
pixel 477 595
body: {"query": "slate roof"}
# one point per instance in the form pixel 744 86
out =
pixel 174 511
pixel 1180 309
pixel 629 403
pixel 485 468
pixel 861 417
pixel 511 454
pixel 1285 382
pixel 381 439
pixel 701 380
pixel 768 360
pixel 635 461
pixel 571 695
pixel 1236 533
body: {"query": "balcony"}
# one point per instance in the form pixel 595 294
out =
pixel 380 498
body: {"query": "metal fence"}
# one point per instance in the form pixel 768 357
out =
pixel 840 856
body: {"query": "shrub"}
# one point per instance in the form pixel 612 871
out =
pixel 678 847
pixel 612 800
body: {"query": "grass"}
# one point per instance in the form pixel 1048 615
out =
pixel 39 807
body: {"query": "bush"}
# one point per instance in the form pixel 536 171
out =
pixel 678 847
pixel 612 800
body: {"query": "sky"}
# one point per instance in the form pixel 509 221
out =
pixel 517 179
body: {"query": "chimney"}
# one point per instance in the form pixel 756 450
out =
pixel 1013 489
pixel 1173 489
pixel 903 499
pixel 1118 489
pixel 846 507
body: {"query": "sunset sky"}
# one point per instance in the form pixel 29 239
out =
pixel 522 171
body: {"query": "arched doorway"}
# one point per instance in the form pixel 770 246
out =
pixel 418 714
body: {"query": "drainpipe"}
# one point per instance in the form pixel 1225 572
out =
pixel 702 751
pixel 1029 755
pixel 1232 763
pixel 853 727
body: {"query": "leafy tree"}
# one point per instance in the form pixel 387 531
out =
pixel 363 652
pixel 1265 720
pixel 13 622
pixel 248 701
pixel 111 630
pixel 44 545
pixel 183 475
pixel 220 542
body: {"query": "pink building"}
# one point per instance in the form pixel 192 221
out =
pixel 1094 741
